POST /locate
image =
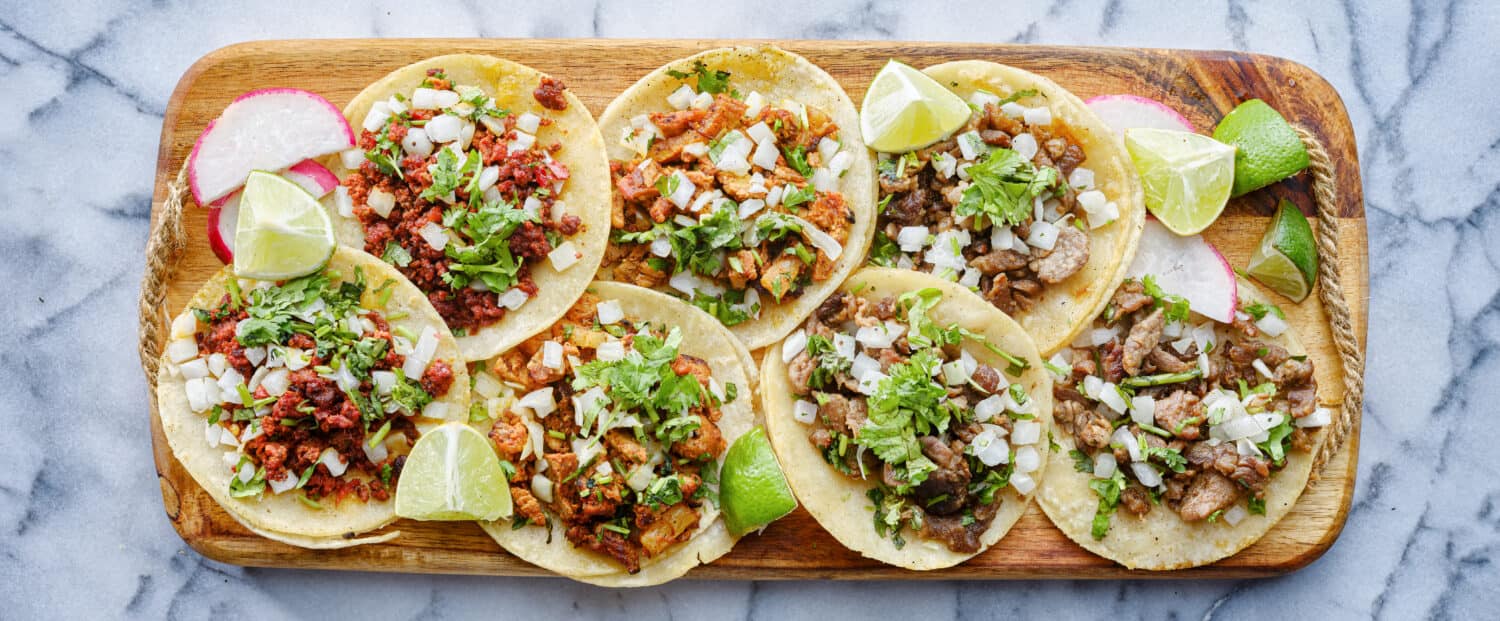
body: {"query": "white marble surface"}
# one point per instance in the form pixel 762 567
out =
pixel 81 527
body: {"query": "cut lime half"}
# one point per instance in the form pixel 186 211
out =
pixel 453 474
pixel 1287 259
pixel 753 490
pixel 904 109
pixel 1186 177
pixel 282 232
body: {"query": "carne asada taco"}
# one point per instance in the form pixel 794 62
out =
pixel 294 403
pixel 910 397
pixel 741 183
pixel 1183 440
pixel 1033 203
pixel 485 183
pixel 615 422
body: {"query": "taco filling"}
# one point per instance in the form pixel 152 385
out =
pixel 732 199
pixel 1174 412
pixel 613 434
pixel 307 391
pixel 890 397
pixel 460 197
pixel 1004 206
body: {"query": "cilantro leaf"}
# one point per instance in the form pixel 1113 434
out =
pixel 1176 306
pixel 395 254
pixel 1003 188
pixel 797 158
pixel 708 81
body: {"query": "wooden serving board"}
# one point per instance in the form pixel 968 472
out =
pixel 1202 85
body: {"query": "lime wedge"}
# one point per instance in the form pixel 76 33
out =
pixel 1269 150
pixel 905 110
pixel 453 474
pixel 752 489
pixel 1186 176
pixel 282 231
pixel 1287 260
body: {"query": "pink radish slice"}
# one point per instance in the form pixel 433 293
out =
pixel 268 129
pixel 1122 112
pixel 222 219
pixel 313 177
pixel 1189 267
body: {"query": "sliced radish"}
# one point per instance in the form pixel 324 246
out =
pixel 1189 267
pixel 1122 112
pixel 221 226
pixel 313 177
pixel 268 129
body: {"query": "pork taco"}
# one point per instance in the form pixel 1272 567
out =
pixel 911 417
pixel 614 423
pixel 1032 203
pixel 484 182
pixel 294 403
pixel 741 184
pixel 1183 440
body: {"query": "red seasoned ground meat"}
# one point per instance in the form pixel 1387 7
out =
pixel 549 93
pixel 438 378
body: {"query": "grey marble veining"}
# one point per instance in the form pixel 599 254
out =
pixel 81 529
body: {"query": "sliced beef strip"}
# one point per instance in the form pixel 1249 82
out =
pixel 945 491
pixel 1069 254
pixel 1174 414
pixel 1209 492
pixel 1143 338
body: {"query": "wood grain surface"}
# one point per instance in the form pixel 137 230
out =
pixel 1201 85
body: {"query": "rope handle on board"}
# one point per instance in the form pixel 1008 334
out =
pixel 168 240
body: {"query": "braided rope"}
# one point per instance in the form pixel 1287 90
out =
pixel 1331 292
pixel 163 248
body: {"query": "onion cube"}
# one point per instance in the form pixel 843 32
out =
pixel 1022 483
pixel 911 238
pixel 794 344
pixel 988 408
pixel 552 355
pixel 528 122
pixel 1104 464
pixel 1026 432
pixel 805 411
pixel 1024 145
pixel 1027 458
pixel 681 98
pixel 1037 116
pixel 564 256
pixel 182 350
pixel 1320 417
pixel 609 312
pixel 1081 178
pixel 610 351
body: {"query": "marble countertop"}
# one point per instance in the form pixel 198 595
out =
pixel 81 527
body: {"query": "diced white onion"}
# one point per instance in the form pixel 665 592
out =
pixel 182 350
pixel 1024 145
pixel 982 97
pixel 1104 465
pixel 287 481
pixel 421 355
pixel 376 117
pixel 1038 116
pixel 352 158
pixel 1027 458
pixel 434 235
pixel 335 463
pixel 805 411
pixel 840 162
pixel 1123 437
pixel 488 177
pixel 194 369
pixel 1022 483
pixel 275 381
pixel 1111 397
pixel 990 448
pixel 971 145
pixel 521 142
pixel 766 153
pixel 528 122
pixel 443 128
pixel 1026 432
pixel 513 298
pixel 541 486
pixel 1143 410
pixel 988 408
pixel 871 381
pixel 1319 418
pixel 681 98
pixel 754 103
pixel 911 238
pixel 184 325
pixel 610 351
pixel 564 256
pixel 662 247
pixel 1081 179
pixel 1234 515
pixel 793 345
pixel 1043 235
pixel 539 401
pixel 683 195
pixel 1146 473
pixel 381 202
pixel 1271 324
pixel 880 336
pixel 953 373
pixel 702 100
pixel 552 355
pixel 1092 386
pixel 609 312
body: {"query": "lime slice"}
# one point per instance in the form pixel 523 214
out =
pixel 1269 150
pixel 905 110
pixel 752 489
pixel 282 231
pixel 453 474
pixel 1287 260
pixel 1186 176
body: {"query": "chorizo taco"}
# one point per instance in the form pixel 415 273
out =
pixel 911 417
pixel 484 182
pixel 614 422
pixel 1032 203
pixel 1183 439
pixel 741 184
pixel 294 403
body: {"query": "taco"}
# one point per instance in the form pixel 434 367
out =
pixel 1183 440
pixel 910 397
pixel 741 184
pixel 485 183
pixel 293 404
pixel 1033 203
pixel 615 422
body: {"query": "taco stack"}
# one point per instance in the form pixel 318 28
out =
pixel 741 184
pixel 615 421
pixel 484 182
pixel 912 418
pixel 1032 203
pixel 294 403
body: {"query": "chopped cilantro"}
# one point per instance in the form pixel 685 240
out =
pixel 709 81
pixel 1003 188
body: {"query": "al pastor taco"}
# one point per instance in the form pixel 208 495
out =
pixel 741 184
pixel 1032 203
pixel 484 182
pixel 911 417
pixel 294 403
pixel 1183 440
pixel 614 423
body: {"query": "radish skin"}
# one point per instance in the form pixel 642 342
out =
pixel 313 177
pixel 267 129
pixel 1122 112
pixel 222 225
pixel 1189 267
